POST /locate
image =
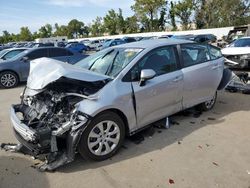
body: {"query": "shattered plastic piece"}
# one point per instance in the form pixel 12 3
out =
pixel 11 147
pixel 171 181
pixel 239 83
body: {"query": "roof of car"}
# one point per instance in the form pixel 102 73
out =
pixel 154 43
pixel 10 49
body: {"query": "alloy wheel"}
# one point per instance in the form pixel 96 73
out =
pixel 8 80
pixel 103 138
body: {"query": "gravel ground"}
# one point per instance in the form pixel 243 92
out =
pixel 207 150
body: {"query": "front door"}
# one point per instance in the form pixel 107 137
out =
pixel 162 95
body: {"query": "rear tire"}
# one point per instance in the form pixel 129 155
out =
pixel 102 137
pixel 208 105
pixel 8 79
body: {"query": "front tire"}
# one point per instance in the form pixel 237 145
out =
pixel 8 79
pixel 208 105
pixel 103 137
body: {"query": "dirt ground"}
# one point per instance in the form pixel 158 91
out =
pixel 210 150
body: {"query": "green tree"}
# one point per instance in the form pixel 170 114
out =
pixel 60 30
pixel 162 19
pixel 6 36
pixel 96 28
pixel 120 22
pixel 131 24
pixel 221 13
pixel 45 31
pixel 172 16
pixel 25 34
pixel 110 22
pixel 75 28
pixel 148 9
pixel 184 10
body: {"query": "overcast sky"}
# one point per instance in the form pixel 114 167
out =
pixel 35 13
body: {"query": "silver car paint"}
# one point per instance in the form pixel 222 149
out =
pixel 182 89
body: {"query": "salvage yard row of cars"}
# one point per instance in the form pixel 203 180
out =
pixel 89 107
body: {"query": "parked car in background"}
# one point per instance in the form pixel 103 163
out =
pixel 10 53
pixel 128 39
pixel 16 69
pixel 164 37
pixel 202 38
pixel 237 54
pixel 206 38
pixel 183 37
pixel 113 42
pixel 77 47
pixel 60 44
pixel 38 45
pixel 93 45
pixel 112 93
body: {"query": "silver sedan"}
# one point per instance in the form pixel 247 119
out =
pixel 90 106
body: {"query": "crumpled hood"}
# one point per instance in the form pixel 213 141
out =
pixel 45 70
pixel 235 51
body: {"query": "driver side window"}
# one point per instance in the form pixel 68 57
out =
pixel 161 60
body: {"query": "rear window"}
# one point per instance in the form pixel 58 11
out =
pixel 215 52
pixel 38 53
pixel 57 52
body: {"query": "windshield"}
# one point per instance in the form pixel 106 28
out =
pixel 3 52
pixel 241 43
pixel 22 54
pixel 109 62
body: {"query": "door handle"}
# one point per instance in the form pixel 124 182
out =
pixel 177 78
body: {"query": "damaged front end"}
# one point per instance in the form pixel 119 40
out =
pixel 47 122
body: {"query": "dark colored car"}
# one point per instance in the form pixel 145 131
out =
pixel 112 43
pixel 77 47
pixel 16 69
pixel 129 39
pixel 38 45
pixel 208 38
pixel 204 38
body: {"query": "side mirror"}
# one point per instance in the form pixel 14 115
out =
pixel 25 59
pixel 146 74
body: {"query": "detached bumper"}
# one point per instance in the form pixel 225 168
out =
pixel 23 130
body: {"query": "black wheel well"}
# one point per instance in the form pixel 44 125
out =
pixel 121 115
pixel 7 70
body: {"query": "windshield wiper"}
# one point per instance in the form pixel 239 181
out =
pixel 111 65
pixel 100 58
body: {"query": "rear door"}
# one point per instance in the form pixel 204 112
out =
pixel 161 95
pixel 201 74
